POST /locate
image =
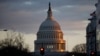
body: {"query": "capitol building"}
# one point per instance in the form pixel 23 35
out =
pixel 50 35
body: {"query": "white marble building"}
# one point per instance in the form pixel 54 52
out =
pixel 50 35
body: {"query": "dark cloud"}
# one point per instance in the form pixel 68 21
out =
pixel 60 2
pixel 13 0
pixel 27 15
pixel 40 4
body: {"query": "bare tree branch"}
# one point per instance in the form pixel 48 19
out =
pixel 80 48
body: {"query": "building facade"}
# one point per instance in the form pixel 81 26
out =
pixel 91 35
pixel 50 36
pixel 98 27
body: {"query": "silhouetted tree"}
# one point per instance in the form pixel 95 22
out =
pixel 80 48
pixel 14 46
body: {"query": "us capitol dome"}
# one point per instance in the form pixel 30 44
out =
pixel 49 35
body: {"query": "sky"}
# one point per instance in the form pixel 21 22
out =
pixel 26 16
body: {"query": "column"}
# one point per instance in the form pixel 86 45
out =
pixel 56 46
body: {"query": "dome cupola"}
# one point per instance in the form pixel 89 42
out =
pixel 49 23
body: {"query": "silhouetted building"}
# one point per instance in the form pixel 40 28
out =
pixel 91 35
pixel 50 37
pixel 98 27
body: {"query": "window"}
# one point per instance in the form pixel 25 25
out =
pixel 50 46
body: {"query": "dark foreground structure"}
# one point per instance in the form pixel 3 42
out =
pixel 76 54
pixel 14 51
pixel 60 54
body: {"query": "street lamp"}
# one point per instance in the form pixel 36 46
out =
pixel 93 53
pixel 42 51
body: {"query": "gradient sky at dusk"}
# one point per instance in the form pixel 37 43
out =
pixel 26 16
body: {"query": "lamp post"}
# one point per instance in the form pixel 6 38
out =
pixel 42 50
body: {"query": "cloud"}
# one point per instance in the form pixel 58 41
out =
pixel 68 6
pixel 27 15
pixel 74 27
pixel 29 40
pixel 28 3
pixel 73 40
